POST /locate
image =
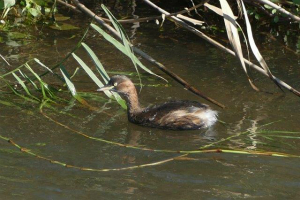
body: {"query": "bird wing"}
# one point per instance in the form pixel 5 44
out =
pixel 156 112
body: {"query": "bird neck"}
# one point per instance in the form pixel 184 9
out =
pixel 133 104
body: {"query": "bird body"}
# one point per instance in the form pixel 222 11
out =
pixel 174 115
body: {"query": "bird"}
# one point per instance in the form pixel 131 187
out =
pixel 172 115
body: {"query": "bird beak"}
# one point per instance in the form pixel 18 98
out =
pixel 105 87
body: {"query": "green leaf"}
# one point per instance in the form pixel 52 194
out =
pixel 63 27
pixel 44 86
pixel 61 18
pixel 6 103
pixel 34 12
pixel 42 2
pixel 284 136
pixel 40 63
pixel 124 37
pixel 69 83
pixel 28 79
pixel 97 62
pixel 276 19
pixel 121 48
pixel 257 16
pixel 267 6
pixel 24 86
pixel 18 94
pixel 91 74
pixel 98 82
pixel 278 132
pixel 9 3
pixel 17 35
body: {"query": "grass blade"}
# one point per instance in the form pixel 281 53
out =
pixel 72 88
pixel 97 62
pixel 29 80
pixel 40 63
pixel 124 37
pixel 18 94
pixel 121 48
pixel 98 82
pixel 24 86
pixel 69 83
pixel 44 86
pixel 91 74
pixel 284 136
pixel 278 132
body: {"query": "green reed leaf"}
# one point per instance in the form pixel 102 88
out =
pixel 28 79
pixel 121 48
pixel 124 37
pixel 24 86
pixel 98 82
pixel 91 74
pixel 97 62
pixel 68 81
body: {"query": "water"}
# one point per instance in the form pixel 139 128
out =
pixel 196 176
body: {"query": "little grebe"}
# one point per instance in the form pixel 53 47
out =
pixel 175 115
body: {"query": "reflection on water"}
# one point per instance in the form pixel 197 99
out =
pixel 209 176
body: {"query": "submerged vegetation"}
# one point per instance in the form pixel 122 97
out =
pixel 30 82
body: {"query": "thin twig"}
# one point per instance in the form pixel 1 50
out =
pixel 5 60
pixel 280 9
pixel 73 8
pixel 144 19
pixel 29 152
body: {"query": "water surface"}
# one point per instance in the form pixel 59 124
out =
pixel 205 176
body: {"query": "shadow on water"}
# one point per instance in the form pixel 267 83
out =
pixel 196 175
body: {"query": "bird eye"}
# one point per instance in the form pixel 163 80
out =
pixel 115 84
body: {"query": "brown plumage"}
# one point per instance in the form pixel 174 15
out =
pixel 175 115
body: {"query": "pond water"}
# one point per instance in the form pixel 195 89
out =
pixel 194 176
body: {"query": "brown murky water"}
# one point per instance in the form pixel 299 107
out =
pixel 196 176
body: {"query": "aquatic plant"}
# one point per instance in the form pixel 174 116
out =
pixel 30 10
